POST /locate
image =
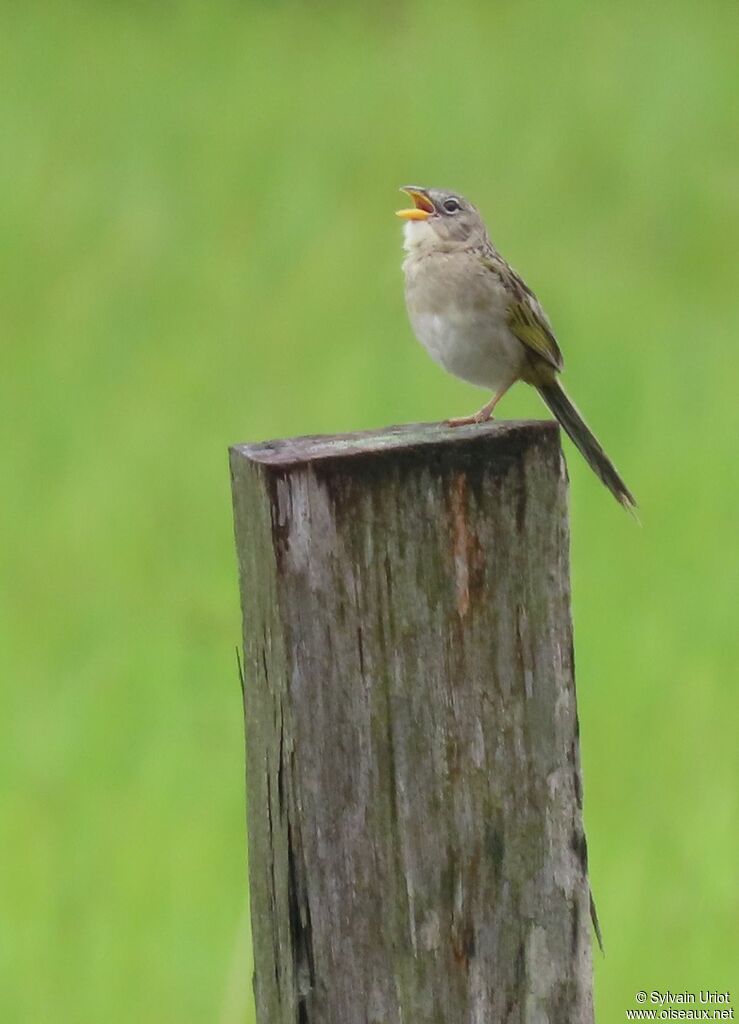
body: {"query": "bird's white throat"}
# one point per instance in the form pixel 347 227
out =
pixel 418 234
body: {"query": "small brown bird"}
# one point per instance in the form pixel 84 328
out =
pixel 477 318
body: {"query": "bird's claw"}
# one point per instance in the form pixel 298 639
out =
pixel 465 421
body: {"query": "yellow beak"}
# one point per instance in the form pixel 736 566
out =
pixel 422 205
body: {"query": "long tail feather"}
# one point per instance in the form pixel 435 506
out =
pixel 586 441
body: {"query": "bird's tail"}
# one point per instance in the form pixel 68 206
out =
pixel 585 440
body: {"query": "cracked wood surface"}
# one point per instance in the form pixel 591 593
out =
pixel 416 845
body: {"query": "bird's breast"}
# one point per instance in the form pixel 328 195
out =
pixel 459 313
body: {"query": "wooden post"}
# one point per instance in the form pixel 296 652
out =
pixel 416 845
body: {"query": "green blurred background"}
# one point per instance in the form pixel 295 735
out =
pixel 197 248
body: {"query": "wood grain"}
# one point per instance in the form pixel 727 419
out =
pixel 416 846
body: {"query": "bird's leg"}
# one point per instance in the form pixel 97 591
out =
pixel 482 415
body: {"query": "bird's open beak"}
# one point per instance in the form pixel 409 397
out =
pixel 422 205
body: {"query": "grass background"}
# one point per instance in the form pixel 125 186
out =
pixel 196 248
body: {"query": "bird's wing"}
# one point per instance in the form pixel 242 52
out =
pixel 526 319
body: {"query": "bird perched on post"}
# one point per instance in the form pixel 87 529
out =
pixel 478 319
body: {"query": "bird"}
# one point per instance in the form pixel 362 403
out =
pixel 479 320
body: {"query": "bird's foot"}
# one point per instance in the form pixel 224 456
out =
pixel 482 416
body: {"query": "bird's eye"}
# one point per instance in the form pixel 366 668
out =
pixel 451 205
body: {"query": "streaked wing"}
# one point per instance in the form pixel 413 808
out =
pixel 526 319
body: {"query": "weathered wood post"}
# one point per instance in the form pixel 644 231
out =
pixel 416 845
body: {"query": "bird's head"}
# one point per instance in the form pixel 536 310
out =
pixel 440 220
